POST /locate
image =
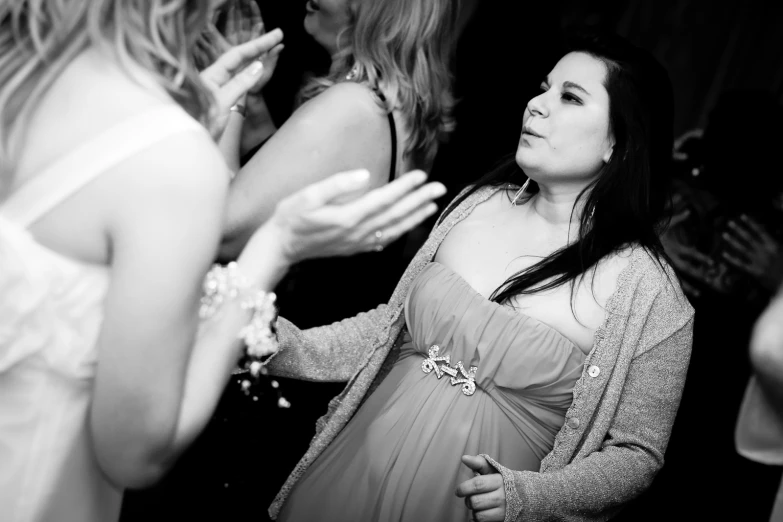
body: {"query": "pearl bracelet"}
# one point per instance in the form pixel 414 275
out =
pixel 223 283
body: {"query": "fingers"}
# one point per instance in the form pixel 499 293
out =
pixel 485 501
pixel 739 237
pixel 480 484
pixel 694 258
pixel 269 63
pixel 680 218
pixel 334 187
pixel 754 227
pixel 490 515
pixel 241 55
pixel 384 197
pixel 736 262
pixel 393 232
pixel 407 212
pixel 478 464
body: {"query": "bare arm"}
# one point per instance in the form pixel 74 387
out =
pixel 766 351
pixel 155 387
pixel 341 129
pixel 164 229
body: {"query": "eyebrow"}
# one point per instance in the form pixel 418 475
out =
pixel 576 86
pixel 570 85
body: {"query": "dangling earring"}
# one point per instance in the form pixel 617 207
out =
pixel 353 73
pixel 520 192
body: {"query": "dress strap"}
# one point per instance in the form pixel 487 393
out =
pixel 89 160
pixel 393 129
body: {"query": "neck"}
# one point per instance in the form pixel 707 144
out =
pixel 555 205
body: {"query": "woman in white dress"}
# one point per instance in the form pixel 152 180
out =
pixel 111 207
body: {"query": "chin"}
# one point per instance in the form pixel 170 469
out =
pixel 523 158
pixel 309 22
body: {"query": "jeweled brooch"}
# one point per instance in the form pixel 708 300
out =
pixel 441 365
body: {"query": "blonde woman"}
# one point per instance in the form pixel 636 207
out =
pixel 384 105
pixel 111 212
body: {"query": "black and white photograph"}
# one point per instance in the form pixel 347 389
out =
pixel 391 260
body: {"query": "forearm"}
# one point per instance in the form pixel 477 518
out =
pixel 594 489
pixel 328 353
pixel 231 139
pixel 218 348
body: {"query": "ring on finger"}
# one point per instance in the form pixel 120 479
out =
pixel 378 241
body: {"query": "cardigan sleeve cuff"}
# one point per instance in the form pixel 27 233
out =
pixel 513 500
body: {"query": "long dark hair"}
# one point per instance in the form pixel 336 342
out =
pixel 626 203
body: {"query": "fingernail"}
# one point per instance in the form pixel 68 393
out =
pixel 256 67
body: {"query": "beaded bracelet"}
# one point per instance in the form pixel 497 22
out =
pixel 223 283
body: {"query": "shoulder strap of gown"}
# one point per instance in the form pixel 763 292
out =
pixel 89 160
pixel 393 129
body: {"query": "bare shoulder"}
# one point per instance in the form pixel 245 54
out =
pixel 91 95
pixel 344 107
pixel 340 129
pixel 184 166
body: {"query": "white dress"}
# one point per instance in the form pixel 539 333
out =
pixel 52 308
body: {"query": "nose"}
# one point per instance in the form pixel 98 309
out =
pixel 536 105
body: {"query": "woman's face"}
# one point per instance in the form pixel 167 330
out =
pixel 325 20
pixel 566 134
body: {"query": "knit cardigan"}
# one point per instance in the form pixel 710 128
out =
pixel 615 433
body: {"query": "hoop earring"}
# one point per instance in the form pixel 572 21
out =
pixel 520 192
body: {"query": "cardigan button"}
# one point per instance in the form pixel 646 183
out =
pixel 573 423
pixel 593 371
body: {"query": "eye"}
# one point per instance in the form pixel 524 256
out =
pixel 570 98
pixel 544 87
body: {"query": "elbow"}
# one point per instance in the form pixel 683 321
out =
pixel 133 462
pixel 132 470
pixel 132 475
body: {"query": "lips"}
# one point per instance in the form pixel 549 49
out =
pixel 531 132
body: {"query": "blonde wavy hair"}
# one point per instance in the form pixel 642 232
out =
pixel 39 38
pixel 406 45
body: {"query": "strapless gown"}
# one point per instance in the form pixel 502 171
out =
pixel 398 459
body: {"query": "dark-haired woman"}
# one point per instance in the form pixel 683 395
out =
pixel 538 339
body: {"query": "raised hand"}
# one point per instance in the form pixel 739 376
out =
pixel 240 69
pixel 484 494
pixel 754 251
pixel 339 216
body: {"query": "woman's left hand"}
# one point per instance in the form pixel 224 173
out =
pixel 755 252
pixel 484 494
pixel 241 69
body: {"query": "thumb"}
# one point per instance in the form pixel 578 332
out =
pixel 478 464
